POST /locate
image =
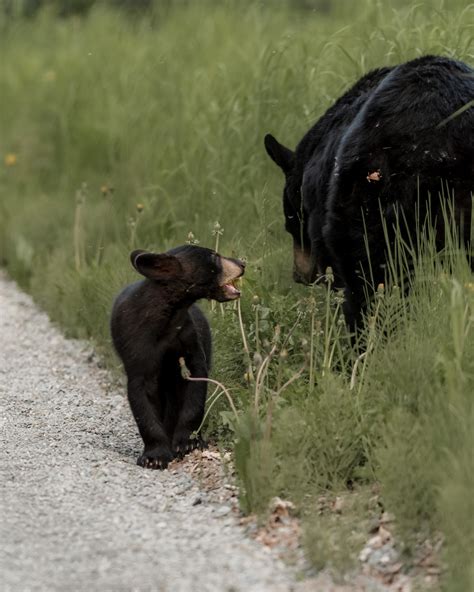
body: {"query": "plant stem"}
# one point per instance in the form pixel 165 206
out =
pixel 186 374
pixel 244 341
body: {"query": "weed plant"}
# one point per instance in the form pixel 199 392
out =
pixel 122 132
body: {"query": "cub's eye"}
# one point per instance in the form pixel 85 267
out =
pixel 213 263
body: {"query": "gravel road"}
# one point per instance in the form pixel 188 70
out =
pixel 76 512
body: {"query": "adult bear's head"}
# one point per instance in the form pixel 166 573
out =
pixel 295 222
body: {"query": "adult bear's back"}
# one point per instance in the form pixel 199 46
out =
pixel 409 125
pixel 410 146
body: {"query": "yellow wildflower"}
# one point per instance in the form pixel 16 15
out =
pixel 50 75
pixel 10 159
pixel 105 189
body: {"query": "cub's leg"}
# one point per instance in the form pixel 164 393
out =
pixel 147 404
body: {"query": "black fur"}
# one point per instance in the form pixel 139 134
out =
pixel 155 322
pixel 383 144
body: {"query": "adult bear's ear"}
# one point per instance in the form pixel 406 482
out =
pixel 281 155
pixel 156 266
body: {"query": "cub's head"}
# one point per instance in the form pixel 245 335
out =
pixel 295 222
pixel 192 271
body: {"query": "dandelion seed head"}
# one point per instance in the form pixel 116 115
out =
pixel 192 240
pixel 217 229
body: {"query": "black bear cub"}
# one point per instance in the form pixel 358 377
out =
pixel 154 323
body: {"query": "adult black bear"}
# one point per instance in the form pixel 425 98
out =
pixel 380 154
pixel 154 323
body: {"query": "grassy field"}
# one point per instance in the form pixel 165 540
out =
pixel 121 132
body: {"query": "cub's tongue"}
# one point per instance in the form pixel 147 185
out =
pixel 231 291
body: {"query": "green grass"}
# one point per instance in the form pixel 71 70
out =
pixel 170 112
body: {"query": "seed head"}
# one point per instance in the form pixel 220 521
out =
pixel 217 230
pixel 192 240
pixel 329 275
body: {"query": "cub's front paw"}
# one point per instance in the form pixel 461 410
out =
pixel 182 444
pixel 155 458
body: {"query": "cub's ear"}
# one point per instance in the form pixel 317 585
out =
pixel 282 156
pixel 134 256
pixel 156 266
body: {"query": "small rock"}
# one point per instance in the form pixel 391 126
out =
pixel 386 518
pixel 385 535
pixel 375 542
pixel 222 511
pixel 338 505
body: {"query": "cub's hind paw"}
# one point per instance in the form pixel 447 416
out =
pixel 182 446
pixel 157 458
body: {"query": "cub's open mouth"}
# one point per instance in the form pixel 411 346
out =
pixel 231 291
pixel 232 270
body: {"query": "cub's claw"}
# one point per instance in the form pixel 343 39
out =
pixel 183 446
pixel 158 458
